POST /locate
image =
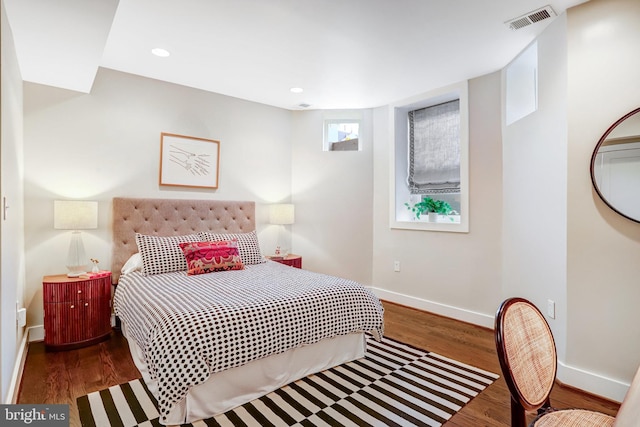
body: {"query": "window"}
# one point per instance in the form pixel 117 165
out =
pixel 342 135
pixel 430 160
pixel 522 85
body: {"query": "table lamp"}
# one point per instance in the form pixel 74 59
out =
pixel 75 215
pixel 281 214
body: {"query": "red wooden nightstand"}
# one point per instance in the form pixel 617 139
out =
pixel 292 259
pixel 77 312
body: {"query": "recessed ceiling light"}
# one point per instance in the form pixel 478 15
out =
pixel 296 90
pixel 157 51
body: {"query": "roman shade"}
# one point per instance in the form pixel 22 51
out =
pixel 434 149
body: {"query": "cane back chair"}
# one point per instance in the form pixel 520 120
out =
pixel 528 360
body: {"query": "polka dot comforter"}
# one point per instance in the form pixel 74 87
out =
pixel 191 326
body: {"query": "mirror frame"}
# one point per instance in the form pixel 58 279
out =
pixel 593 162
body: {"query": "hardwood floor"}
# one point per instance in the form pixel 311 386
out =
pixel 475 345
pixel 61 377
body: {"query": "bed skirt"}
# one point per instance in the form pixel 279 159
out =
pixel 236 386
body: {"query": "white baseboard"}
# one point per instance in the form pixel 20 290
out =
pixel 592 383
pixel 36 333
pixel 18 368
pixel 436 307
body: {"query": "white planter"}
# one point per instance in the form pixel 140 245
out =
pixel 433 217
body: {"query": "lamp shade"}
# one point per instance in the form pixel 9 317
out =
pixel 282 214
pixel 75 215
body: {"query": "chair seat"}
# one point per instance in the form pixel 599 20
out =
pixel 574 418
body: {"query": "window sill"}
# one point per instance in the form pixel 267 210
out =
pixel 440 219
pixel 448 223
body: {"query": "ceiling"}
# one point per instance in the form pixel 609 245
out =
pixel 343 53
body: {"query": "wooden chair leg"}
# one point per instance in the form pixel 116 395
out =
pixel 518 416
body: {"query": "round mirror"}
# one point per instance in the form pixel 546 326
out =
pixel 615 166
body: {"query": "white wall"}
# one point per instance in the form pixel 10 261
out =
pixel 12 269
pixel 561 242
pixel 535 189
pixel 454 274
pixel 333 195
pixel 603 251
pixel 107 143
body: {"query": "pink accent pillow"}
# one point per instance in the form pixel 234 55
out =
pixel 208 257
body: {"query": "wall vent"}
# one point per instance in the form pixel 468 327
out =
pixel 531 18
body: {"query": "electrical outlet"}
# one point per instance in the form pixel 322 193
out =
pixel 551 309
pixel 396 266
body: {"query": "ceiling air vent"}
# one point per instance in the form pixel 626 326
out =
pixel 303 105
pixel 531 18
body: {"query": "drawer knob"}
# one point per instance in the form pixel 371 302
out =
pixel 79 291
pixel 72 306
pixel 86 304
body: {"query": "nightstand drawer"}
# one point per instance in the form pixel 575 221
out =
pixel 74 291
pixel 76 322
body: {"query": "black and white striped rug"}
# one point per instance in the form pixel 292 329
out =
pixel 395 385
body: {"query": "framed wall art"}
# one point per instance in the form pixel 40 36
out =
pixel 187 161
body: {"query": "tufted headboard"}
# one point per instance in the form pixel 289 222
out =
pixel 172 217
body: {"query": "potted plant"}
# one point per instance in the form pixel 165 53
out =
pixel 430 206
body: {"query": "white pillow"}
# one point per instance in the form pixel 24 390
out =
pixel 134 263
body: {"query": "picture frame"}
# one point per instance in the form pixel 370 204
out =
pixel 188 161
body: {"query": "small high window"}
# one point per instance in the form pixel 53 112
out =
pixel 341 135
pixel 522 85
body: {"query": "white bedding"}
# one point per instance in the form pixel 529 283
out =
pixel 188 327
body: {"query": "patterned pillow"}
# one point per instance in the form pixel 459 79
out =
pixel 208 257
pixel 163 254
pixel 247 244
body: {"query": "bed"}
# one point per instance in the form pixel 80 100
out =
pixel 206 343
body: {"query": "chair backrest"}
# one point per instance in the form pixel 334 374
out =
pixel 527 353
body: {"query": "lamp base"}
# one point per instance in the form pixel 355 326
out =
pixel 76 273
pixel 76 259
